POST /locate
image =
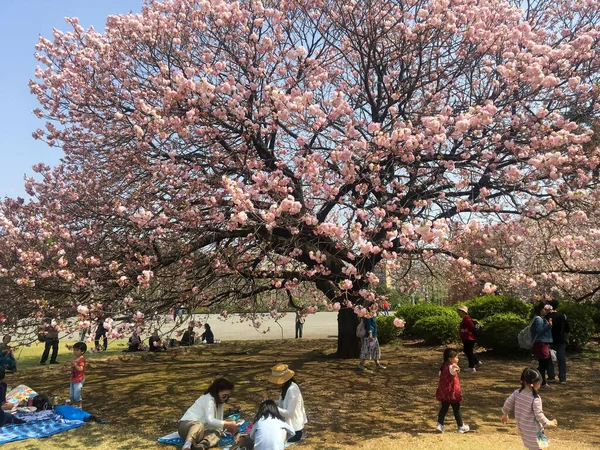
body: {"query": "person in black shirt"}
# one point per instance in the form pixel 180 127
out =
pixel 100 333
pixel 188 337
pixel 155 343
pixel 560 339
pixel 208 335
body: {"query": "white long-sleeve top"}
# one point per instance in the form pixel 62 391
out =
pixel 270 434
pixel 206 410
pixel 292 408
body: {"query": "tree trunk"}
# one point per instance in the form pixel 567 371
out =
pixel 348 343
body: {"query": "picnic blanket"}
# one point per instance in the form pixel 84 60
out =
pixel 20 393
pixel 225 441
pixel 38 425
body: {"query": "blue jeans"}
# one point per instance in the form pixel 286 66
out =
pixel 76 391
pixel 561 357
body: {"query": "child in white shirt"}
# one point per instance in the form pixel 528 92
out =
pixel 270 431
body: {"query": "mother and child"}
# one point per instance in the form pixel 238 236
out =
pixel 275 423
pixel 524 402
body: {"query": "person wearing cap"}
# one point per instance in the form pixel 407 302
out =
pixel 202 425
pixel 468 338
pixel 291 402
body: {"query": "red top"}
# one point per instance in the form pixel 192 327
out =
pixel 466 329
pixel 77 376
pixel 386 305
pixel 449 386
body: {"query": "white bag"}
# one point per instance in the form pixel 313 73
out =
pixel 553 355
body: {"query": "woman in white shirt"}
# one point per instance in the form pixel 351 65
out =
pixel 270 431
pixel 290 403
pixel 202 425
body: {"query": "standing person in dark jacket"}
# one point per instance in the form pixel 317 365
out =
pixel 100 333
pixel 468 338
pixel 560 339
pixel 50 332
pixel 541 332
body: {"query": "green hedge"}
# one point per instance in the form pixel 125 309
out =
pixel 488 305
pixel 437 329
pixel 581 322
pixel 413 313
pixel 386 330
pixel 500 332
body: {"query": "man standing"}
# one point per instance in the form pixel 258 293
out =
pixel 300 319
pixel 50 332
pixel 560 339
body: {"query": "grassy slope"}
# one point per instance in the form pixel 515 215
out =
pixel 142 396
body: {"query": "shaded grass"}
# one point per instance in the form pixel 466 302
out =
pixel 143 395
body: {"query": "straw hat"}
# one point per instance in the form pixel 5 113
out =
pixel 463 308
pixel 280 374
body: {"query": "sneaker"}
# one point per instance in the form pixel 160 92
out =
pixel 440 428
pixel 464 429
pixel 478 365
pixel 381 366
pixel 551 380
pixel 54 362
pixel 361 367
pixel 42 363
pixel 545 387
pixel 470 369
pixel 563 382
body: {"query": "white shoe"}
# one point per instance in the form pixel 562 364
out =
pixel 440 428
pixel 470 369
pixel 478 365
pixel 464 429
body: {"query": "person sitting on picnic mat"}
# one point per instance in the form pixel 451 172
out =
pixel 6 418
pixel 202 425
pixel 291 402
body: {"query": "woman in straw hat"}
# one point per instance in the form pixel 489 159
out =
pixel 290 403
pixel 466 328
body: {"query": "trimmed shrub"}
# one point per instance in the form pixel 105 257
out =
pixel 489 305
pixel 500 332
pixel 581 322
pixel 386 330
pixel 437 329
pixel 413 313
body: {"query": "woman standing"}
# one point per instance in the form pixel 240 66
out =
pixel 467 337
pixel 541 330
pixel 202 425
pixel 291 402
pixel 370 345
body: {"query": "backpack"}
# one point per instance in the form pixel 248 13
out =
pixel 478 330
pixel 360 329
pixel 525 337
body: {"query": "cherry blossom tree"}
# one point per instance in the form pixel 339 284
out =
pixel 216 150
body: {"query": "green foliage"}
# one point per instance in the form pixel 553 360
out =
pixel 581 322
pixel 437 329
pixel 488 305
pixel 413 313
pixel 500 332
pixel 386 330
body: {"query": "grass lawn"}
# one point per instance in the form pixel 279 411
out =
pixel 141 396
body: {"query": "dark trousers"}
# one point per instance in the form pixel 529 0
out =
pixel 468 348
pixel 296 437
pixel 104 341
pixel 543 366
pixel 444 411
pixel 50 343
pixel 299 327
pixel 561 358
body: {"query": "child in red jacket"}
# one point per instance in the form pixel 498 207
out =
pixel 448 391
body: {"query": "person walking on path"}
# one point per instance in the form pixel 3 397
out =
pixel 300 319
pixel 202 425
pixel 386 308
pixel 468 339
pixel 370 344
pixel 100 334
pixel 49 331
pixel 560 339
pixel 541 331
pixel 449 392
pixel 290 403
pixel 527 405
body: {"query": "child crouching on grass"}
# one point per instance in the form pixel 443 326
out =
pixel 449 392
pixel 527 405
pixel 77 372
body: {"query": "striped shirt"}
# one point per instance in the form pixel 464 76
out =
pixel 529 417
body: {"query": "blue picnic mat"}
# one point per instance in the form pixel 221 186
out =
pixel 225 441
pixel 38 425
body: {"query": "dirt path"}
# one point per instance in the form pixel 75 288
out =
pixel 142 396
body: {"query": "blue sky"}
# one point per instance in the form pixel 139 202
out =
pixel 21 23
